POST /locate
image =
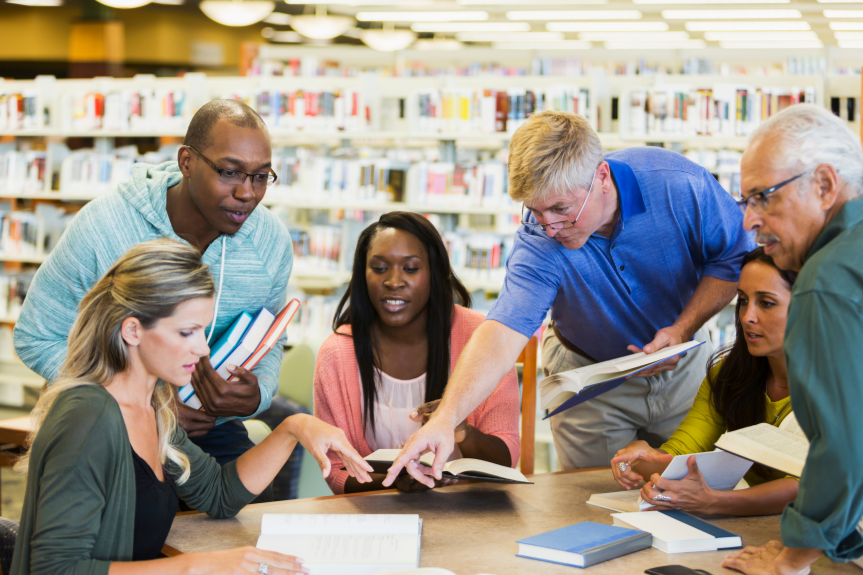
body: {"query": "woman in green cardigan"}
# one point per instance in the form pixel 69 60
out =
pixel 108 463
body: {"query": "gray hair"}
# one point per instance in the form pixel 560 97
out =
pixel 809 136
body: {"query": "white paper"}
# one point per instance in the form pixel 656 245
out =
pixel 721 470
pixel 346 524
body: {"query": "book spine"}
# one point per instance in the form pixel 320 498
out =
pixel 617 549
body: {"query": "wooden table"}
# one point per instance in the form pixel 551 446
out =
pixel 473 528
pixel 13 437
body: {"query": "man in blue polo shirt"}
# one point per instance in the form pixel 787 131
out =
pixel 631 251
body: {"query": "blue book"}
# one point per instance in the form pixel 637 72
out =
pixel 583 544
pixel 218 352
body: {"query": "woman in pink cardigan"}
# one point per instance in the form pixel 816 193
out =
pixel 398 334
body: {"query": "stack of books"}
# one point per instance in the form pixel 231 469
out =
pixel 244 344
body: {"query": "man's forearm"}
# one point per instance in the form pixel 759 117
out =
pixel 485 360
pixel 708 299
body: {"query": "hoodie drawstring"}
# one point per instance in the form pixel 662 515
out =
pixel 219 292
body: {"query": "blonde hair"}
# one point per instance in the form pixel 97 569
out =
pixel 147 283
pixel 551 154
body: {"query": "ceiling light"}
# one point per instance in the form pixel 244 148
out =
pixel 170 2
pixel 470 27
pixel 127 3
pixel 421 16
pixel 761 36
pixel 237 12
pixel 278 18
pixel 441 44
pixel 846 25
pixel 287 36
pixel 760 44
pixel 355 2
pixel 843 13
pixel 710 2
pixel 573 15
pixel 44 3
pixel 728 14
pixel 848 35
pixel 634 36
pixel 644 45
pixel 850 43
pixel 606 26
pixel 838 1
pixel 267 32
pixel 509 36
pixel 561 45
pixel 387 40
pixel 753 26
pixel 321 26
pixel 521 2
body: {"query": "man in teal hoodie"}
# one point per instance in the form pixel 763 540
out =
pixel 210 199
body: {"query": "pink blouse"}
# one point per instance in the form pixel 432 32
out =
pixel 338 394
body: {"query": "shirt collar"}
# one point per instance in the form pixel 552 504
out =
pixel 631 198
pixel 849 216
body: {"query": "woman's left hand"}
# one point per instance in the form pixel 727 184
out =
pixel 319 438
pixel 690 494
pixel 422 414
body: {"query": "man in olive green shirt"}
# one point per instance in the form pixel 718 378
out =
pixel 802 182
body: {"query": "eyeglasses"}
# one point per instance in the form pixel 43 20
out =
pixel 758 201
pixel 230 176
pixel 563 224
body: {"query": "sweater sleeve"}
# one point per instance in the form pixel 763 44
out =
pixel 498 415
pixel 700 429
pixel 330 406
pixel 210 488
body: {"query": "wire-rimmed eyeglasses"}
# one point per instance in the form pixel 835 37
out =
pixel 758 200
pixel 563 224
pixel 236 177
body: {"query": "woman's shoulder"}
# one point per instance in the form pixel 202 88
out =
pixel 468 320
pixel 337 349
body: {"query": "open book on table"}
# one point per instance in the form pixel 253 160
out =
pixel 344 544
pixel 476 469
pixel 591 380
pixel 783 448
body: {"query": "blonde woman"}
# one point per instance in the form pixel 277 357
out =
pixel 108 463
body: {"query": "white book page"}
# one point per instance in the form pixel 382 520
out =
pixel 769 446
pixel 791 425
pixel 467 465
pixel 314 550
pixel 347 524
pixel 661 526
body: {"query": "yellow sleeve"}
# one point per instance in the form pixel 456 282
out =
pixel 701 427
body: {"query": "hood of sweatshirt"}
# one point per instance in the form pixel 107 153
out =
pixel 146 191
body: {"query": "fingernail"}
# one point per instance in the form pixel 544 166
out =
pixel 231 367
pixel 414 414
pixel 300 561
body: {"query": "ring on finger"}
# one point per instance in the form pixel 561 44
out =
pixel 662 497
pixel 622 466
pixel 263 568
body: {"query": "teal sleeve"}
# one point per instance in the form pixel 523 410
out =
pixel 822 349
pixel 210 488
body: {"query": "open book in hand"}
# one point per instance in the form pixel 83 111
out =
pixel 783 448
pixel 477 469
pixel 591 380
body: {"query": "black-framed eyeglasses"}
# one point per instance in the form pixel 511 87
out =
pixel 231 176
pixel 563 224
pixel 758 201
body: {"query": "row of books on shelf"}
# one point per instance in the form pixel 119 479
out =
pixel 468 110
pixel 13 289
pixel 719 111
pixel 321 110
pixel 317 248
pixel 22 172
pixel 31 233
pixel 20 111
pixel 478 257
pixel 723 164
pixel 89 172
pixel 118 110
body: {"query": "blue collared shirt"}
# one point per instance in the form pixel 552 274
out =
pixel 676 225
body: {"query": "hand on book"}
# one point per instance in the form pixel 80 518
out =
pixel 319 438
pixel 435 436
pixel 637 452
pixel 422 414
pixel 690 494
pixel 195 422
pixel 241 560
pixel 665 337
pixel 407 484
pixel 223 398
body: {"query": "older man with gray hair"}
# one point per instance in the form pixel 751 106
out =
pixel 802 181
pixel 632 250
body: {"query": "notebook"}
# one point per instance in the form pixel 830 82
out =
pixel 477 469
pixel 344 544
pixel 583 544
pixel 250 341
pixel 775 447
pixel 592 380
pixel 677 532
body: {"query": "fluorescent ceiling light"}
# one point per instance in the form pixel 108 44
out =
pixel 838 1
pixel 850 43
pixel 320 25
pixel 573 15
pixel 759 44
pixel 843 13
pixel 438 44
pixel 44 3
pixel 606 26
pixel 387 40
pixel 644 45
pixel 562 45
pixel 728 14
pixel 237 12
pixel 278 18
pixel 761 36
pixel 352 2
pixel 846 25
pixel 752 26
pixel 509 36
pixel 421 16
pixel 470 27
pixel 848 35
pixel 649 36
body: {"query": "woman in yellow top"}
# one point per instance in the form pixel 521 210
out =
pixel 746 384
